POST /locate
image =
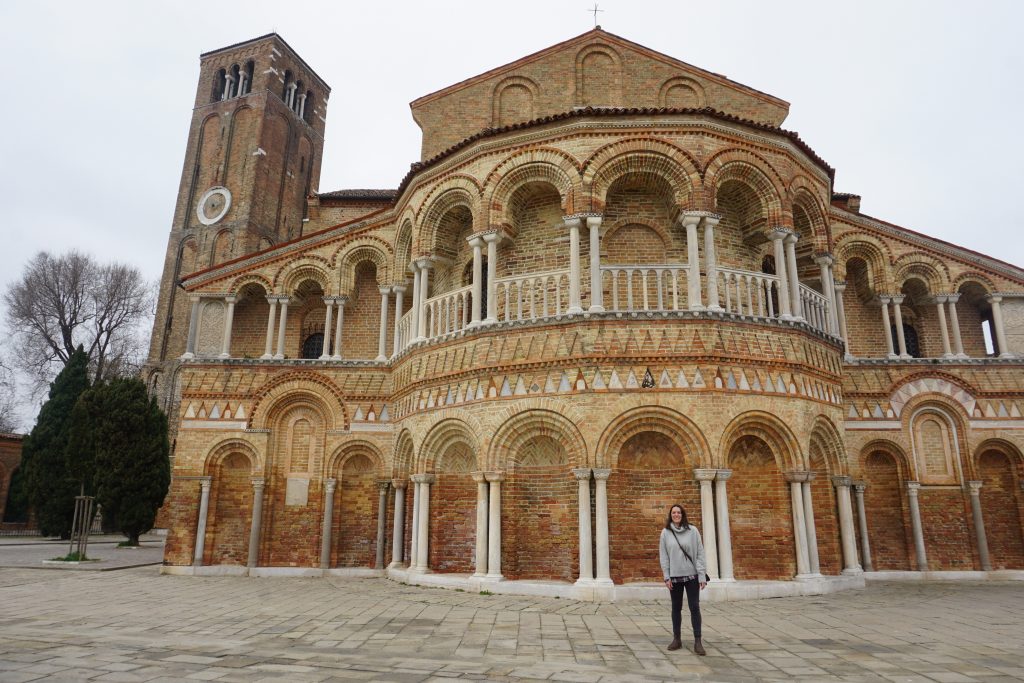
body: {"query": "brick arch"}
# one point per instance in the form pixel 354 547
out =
pixel 890 448
pixel 975 278
pixel 802 196
pixel 642 155
pixel 519 429
pixel 771 430
pixel 242 281
pixel 188 252
pixel 222 449
pixel 301 383
pixel 343 453
pixel 513 82
pixel 403 248
pixel 1011 450
pixel 404 455
pixel 884 498
pixel 917 264
pixel 682 81
pixel 755 172
pixel 682 431
pixel 869 249
pixel 445 433
pixel 616 75
pixel 356 254
pixel 452 192
pixel 826 440
pixel 550 166
pixel 309 267
pixel 224 241
pixel 999 466
pixel 654 226
pixel 956 420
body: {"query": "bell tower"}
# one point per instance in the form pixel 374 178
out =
pixel 252 158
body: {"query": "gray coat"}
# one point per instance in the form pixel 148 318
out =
pixel 674 562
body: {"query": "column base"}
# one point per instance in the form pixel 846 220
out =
pixel 596 309
pixel 574 310
pixel 278 356
pixel 697 307
pixel 729 580
pixel 489 321
pixel 848 356
pixel 187 356
pixel 417 340
pixel 336 356
pixel 492 577
pixel 396 565
pixel 224 355
pixel 961 356
pixel 806 577
pixel 381 359
pixel 326 356
pixel 603 583
pixel 267 356
pixel 585 583
pixel 948 356
pixel 714 309
pixel 905 356
pixel 1007 355
pixel 892 356
pixel 855 571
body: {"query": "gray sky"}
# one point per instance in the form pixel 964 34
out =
pixel 915 104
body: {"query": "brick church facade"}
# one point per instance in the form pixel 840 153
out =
pixel 611 283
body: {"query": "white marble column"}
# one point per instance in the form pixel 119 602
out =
pixel 414 320
pixel 887 326
pixel 825 262
pixel 382 334
pixel 325 353
pixel 954 324
pixel 778 238
pixel 690 221
pixel 421 314
pixel 494 525
pixel 282 325
pixel 268 351
pixel 915 526
pixel 813 561
pixel 795 480
pixel 847 536
pixel 997 324
pixel 476 242
pixel 398 528
pixel 382 520
pixel 596 283
pixel 399 291
pixel 722 518
pixel 257 520
pixel 940 310
pixel 193 330
pixel 330 485
pixel 979 525
pixel 603 551
pixel 862 522
pixel 707 519
pixel 710 261
pixel 229 82
pixel 901 340
pixel 414 529
pixel 229 320
pixel 423 533
pixel 586 576
pixel 339 325
pixel 840 289
pixel 481 523
pixel 204 512
pixel 492 239
pixel 574 264
pixel 793 275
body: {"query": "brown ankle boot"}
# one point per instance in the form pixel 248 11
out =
pixel 698 647
pixel 675 644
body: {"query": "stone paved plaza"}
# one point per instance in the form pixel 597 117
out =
pixel 136 625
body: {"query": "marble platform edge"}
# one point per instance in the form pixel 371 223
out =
pixel 946 575
pixel 268 572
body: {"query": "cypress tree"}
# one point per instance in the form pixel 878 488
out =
pixel 51 489
pixel 132 470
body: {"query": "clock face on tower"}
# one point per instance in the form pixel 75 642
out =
pixel 213 205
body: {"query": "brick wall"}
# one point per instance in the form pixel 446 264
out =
pixel 883 503
pixel 1002 510
pixel 540 527
pixel 355 520
pixel 362 315
pixel 948 539
pixel 652 475
pixel 182 509
pixel 452 523
pixel 230 512
pixel 760 514
pixel 249 329
pixel 826 522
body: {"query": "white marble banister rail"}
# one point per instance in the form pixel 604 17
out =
pixel 748 293
pixel 532 296
pixel 448 312
pixel 405 328
pixel 815 308
pixel 647 287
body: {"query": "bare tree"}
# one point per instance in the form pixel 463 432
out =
pixel 8 391
pixel 68 300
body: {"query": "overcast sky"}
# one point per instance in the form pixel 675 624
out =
pixel 916 105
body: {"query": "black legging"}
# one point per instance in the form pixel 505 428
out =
pixel 692 590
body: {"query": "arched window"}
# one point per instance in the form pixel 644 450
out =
pixel 313 345
pixel 911 337
pixel 234 79
pixel 218 86
pixel 247 74
pixel 307 108
pixel 298 95
pixel 289 89
pixel 467 279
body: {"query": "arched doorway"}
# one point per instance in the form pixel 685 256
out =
pixel 453 511
pixel 883 501
pixel 1001 510
pixel 231 518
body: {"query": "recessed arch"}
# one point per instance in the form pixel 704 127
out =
pixel 222 449
pixel 441 437
pixel 771 430
pixel 299 385
pixel 528 424
pixel 681 92
pixel 352 448
pixel 642 156
pixel 682 431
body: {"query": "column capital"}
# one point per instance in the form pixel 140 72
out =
pixel 859 486
pixel 341 299
pixel 475 240
pixel 913 487
pixel 839 285
pixel 230 299
pixel 399 289
pixel 582 473
pixel 330 484
pixel 994 298
pixel 425 262
pixel 723 475
pixel 204 482
pixel 824 259
pixel 793 237
pixel 841 480
pixel 975 487
pixel 399 483
pixel 423 478
pixel 704 474
pixel 383 484
pixel 938 299
pixel 572 221
pixel 478 477
pixel 797 476
pixel 258 484
pixel 952 297
pixel 594 221
pixel 602 473
pixel 884 299
pixel 495 476
pixel 329 300
pixel 898 299
pixel 779 232
pixel 385 290
pixel 492 235
pixel 694 217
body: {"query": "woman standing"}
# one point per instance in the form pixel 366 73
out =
pixel 684 567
